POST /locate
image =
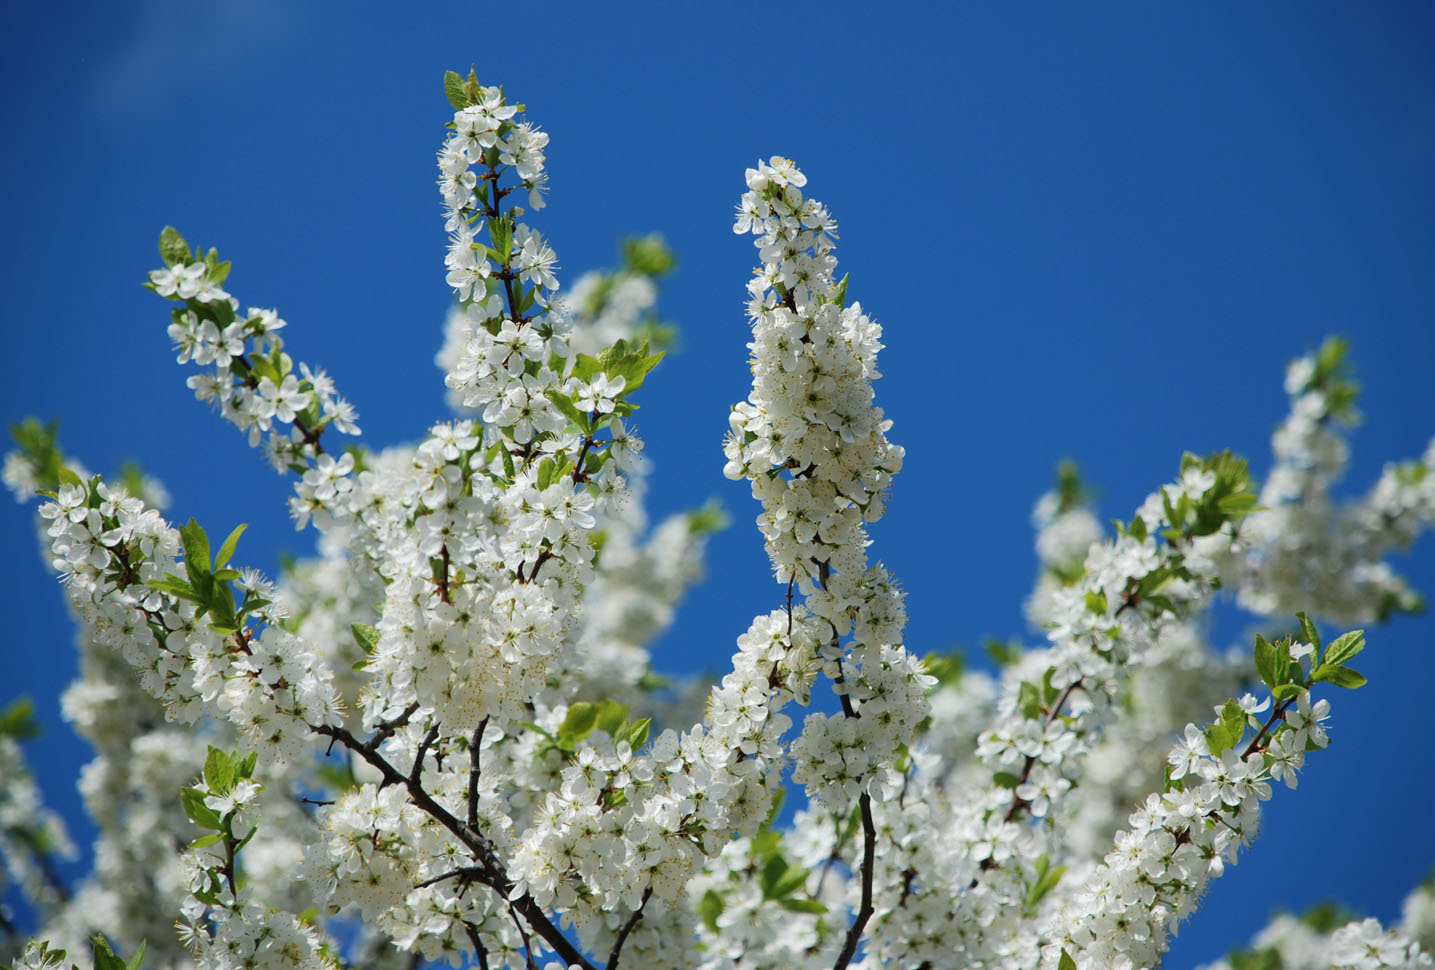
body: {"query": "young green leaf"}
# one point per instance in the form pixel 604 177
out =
pixel 1272 662
pixel 1345 646
pixel 709 908
pixel 1339 676
pixel 172 247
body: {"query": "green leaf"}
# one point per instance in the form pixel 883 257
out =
pixel 172 247
pixel 199 813
pixel 794 905
pixel 196 559
pixel 648 256
pixel 175 586
pixel 105 958
pixel 227 549
pixel 1046 880
pixel 578 724
pixel 1345 646
pixel 611 716
pixel 778 797
pixel 585 367
pixel 1308 632
pixel 365 636
pixel 500 234
pixel 569 410
pixel 709 908
pixel 792 880
pixel 1272 662
pixel 638 733
pixel 765 843
pixel 1029 701
pixel 18 720
pixel 455 90
pixel 840 297
pixel 1228 729
pixel 245 767
pixel 1339 676
pixel 1005 779
pixel 1286 690
pixel 781 879
pixel 219 771
pixel 1096 602
pixel 1066 962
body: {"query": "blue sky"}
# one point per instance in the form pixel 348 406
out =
pixel 1090 232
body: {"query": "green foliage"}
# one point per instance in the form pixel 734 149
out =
pixel 172 247
pixel 1227 730
pixel 1071 492
pixel 37 445
pixel 1328 916
pixel 708 518
pixel 206 582
pixel 1267 958
pixel 1231 497
pixel 710 907
pixel 17 720
pixel 1045 881
pixel 946 667
pixel 585 717
pixel 648 256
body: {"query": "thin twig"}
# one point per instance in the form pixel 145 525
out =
pixel 864 913
pixel 416 774
pixel 479 950
pixel 628 928
pixel 527 944
pixel 492 872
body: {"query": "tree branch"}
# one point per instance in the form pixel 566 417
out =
pixel 864 912
pixel 491 870
pixel 628 928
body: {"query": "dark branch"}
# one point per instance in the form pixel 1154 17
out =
pixel 864 913
pixel 628 928
pixel 492 873
pixel 479 950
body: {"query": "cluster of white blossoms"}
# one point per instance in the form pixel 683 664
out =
pixel 1305 546
pixel 32 835
pixel 250 380
pixel 1328 938
pixel 443 739
pixel 815 449
pixel 119 561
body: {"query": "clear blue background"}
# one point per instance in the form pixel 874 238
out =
pixel 1095 231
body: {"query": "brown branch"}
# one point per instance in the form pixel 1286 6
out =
pixel 479 950
pixel 628 928
pixel 527 944
pixel 416 774
pixel 864 913
pixel 490 869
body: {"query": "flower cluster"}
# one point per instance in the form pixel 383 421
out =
pixel 1305 546
pixel 250 379
pixel 505 779
pixel 119 560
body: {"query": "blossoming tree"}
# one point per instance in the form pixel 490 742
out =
pixel 441 739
